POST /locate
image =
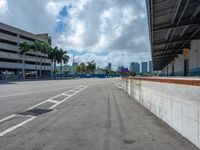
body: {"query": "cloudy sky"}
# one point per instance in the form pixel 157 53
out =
pixel 102 30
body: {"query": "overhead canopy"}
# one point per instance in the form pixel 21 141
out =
pixel 172 24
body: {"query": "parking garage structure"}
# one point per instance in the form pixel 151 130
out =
pixel 37 65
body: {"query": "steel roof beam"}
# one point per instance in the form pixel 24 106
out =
pixel 182 24
pixel 168 54
pixel 161 50
pixel 178 22
pixel 174 41
pixel 196 12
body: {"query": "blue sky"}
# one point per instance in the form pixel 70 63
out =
pixel 102 30
pixel 60 25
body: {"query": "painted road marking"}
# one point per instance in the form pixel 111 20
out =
pixel 45 101
pixel 16 126
pixel 67 98
pixel 51 100
pixel 4 119
pixel 1 96
pixel 66 94
pixel 26 93
pixel 118 85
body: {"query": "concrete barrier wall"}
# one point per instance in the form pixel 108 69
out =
pixel 176 104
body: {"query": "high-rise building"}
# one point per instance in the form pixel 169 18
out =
pixel 135 67
pixel 11 62
pixel 144 67
pixel 109 66
pixel 150 67
pixel 120 68
pixel 74 67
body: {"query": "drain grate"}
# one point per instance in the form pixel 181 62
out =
pixel 35 112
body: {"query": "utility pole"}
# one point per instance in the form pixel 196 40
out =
pixel 73 67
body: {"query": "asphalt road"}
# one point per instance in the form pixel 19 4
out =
pixel 87 114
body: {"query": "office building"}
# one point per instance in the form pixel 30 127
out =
pixel 120 68
pixel 11 59
pixel 144 67
pixel 135 67
pixel 74 67
pixel 109 67
pixel 150 67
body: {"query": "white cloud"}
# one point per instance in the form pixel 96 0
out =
pixel 118 27
pixel 78 30
pixel 52 8
pixel 115 27
pixel 3 6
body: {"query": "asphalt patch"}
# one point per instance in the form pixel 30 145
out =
pixel 35 112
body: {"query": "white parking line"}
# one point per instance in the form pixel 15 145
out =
pixel 67 98
pixel 45 101
pixel 117 85
pixel 16 126
pixel 73 90
pixel 18 94
pixel 4 119
pixel 2 96
pixel 53 101
pixel 33 117
pixel 65 94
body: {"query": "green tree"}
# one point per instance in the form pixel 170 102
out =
pixel 91 66
pixel 24 47
pixel 62 58
pixel 78 69
pixel 65 58
pixel 53 55
pixel 82 68
pixel 55 72
pixel 45 49
pixel 37 47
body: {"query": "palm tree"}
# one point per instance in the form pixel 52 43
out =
pixel 65 58
pixel 53 55
pixel 61 55
pixel 82 68
pixel 37 46
pixel 91 66
pixel 58 56
pixel 45 49
pixel 24 47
